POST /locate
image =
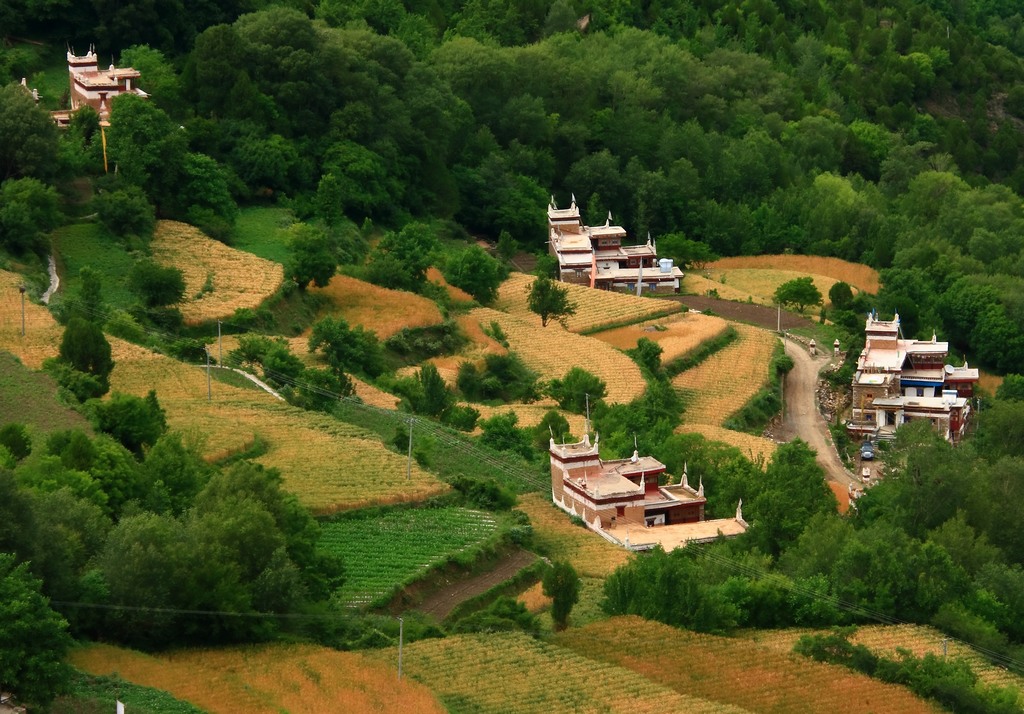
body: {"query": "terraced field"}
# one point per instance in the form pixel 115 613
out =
pixel 737 672
pixel 724 382
pixel 415 538
pixel 377 309
pixel 530 415
pixel 858 275
pixel 677 335
pixel 235 278
pixel 590 554
pixel 753 447
pixel 594 308
pixel 42 333
pixel 328 464
pixel 551 352
pixel 266 679
pixel 513 673
pixel 886 639
pixel 759 284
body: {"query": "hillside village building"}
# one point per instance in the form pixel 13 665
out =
pixel 899 380
pixel 622 501
pixel 595 256
pixel 95 87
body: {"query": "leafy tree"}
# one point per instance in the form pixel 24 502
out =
pixel 505 614
pixel 507 245
pixel 125 212
pixel 87 302
pixel 347 348
pixel 685 252
pixel 158 285
pixel 16 439
pixel 135 422
pixel 799 292
pixel 33 641
pixel 577 389
pixel 175 473
pixel 562 585
pixel 401 259
pixel 550 301
pixel 28 210
pixel 433 397
pixel 319 389
pixel 551 426
pixel 312 256
pixel 1011 388
pixel 85 349
pixel 502 432
pixel 29 147
pixel 503 377
pixel 841 296
pixel 647 354
pixel 476 272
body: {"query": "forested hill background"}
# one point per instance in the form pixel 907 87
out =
pixel 882 132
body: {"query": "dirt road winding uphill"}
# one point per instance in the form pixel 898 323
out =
pixel 802 418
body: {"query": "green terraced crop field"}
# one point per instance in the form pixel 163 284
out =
pixel 395 546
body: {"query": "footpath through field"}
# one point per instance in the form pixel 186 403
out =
pixel 441 603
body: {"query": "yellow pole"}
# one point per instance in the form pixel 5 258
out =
pixel 103 137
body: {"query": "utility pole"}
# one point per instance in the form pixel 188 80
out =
pixel 587 424
pixel 778 319
pixel 220 347
pixel 401 624
pixel 21 289
pixel 944 641
pixel 408 477
pixel 209 388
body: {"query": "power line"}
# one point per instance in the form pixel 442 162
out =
pixel 453 441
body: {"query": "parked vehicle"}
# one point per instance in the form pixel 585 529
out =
pixel 867 451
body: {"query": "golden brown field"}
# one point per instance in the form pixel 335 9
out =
pixel 885 639
pixel 373 396
pixel 513 673
pixel 328 464
pixel 531 414
pixel 753 447
pixel 380 310
pixel 724 382
pixel 266 679
pixel 590 554
pixel 551 352
pixel 676 335
pixel 458 294
pixel 239 279
pixel 694 284
pixel 42 333
pixel 734 671
pixel 534 598
pixel 761 283
pixel 594 307
pixel 858 275
pixel 989 382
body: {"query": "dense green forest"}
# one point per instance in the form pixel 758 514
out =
pixel 885 133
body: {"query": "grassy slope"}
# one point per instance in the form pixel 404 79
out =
pixel 89 244
pixel 31 398
pixel 263 232
pixel 96 695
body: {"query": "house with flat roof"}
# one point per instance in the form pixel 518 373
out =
pixel 94 87
pixel 622 500
pixel 596 256
pixel 899 380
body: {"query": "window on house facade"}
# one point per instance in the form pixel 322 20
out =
pixel 920 391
